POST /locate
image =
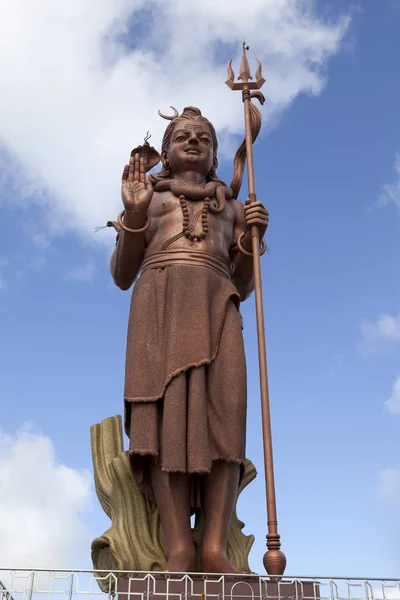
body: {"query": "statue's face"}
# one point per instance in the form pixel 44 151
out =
pixel 191 148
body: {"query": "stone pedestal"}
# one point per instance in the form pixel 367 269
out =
pixel 209 587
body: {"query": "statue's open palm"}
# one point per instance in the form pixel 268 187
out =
pixel 136 190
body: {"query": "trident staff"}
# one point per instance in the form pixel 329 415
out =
pixel 274 559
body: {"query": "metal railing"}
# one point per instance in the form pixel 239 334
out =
pixel 40 584
pixel 4 593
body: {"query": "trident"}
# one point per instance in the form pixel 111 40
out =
pixel 274 560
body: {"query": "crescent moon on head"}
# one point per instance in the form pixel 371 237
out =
pixel 176 114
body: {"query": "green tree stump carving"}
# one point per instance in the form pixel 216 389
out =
pixel 134 542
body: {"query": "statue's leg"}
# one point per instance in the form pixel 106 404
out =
pixel 172 493
pixel 219 495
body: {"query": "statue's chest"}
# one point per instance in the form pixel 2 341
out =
pixel 166 206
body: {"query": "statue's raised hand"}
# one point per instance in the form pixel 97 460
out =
pixel 136 190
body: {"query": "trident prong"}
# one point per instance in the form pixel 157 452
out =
pixel 245 76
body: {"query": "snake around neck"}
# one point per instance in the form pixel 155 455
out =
pixel 214 190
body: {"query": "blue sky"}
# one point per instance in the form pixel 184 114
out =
pixel 326 169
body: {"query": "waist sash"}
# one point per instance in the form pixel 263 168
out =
pixel 187 257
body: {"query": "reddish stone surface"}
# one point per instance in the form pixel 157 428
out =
pixel 201 587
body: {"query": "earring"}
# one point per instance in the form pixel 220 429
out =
pixel 212 171
pixel 166 165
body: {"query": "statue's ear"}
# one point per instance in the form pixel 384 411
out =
pixel 214 167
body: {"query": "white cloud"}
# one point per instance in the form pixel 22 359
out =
pixel 81 82
pixel 393 403
pixel 41 240
pixel 82 273
pixel 391 191
pixel 377 334
pixel 41 502
pixel 389 486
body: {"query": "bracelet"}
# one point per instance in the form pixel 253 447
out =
pixel 125 228
pixel 263 246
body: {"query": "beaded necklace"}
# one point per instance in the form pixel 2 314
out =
pixel 186 220
pixel 214 194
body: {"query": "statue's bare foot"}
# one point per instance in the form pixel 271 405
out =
pixel 181 561
pixel 216 562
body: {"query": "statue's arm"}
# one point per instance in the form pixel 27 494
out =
pixel 243 275
pixel 246 216
pixel 136 193
pixel 128 254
